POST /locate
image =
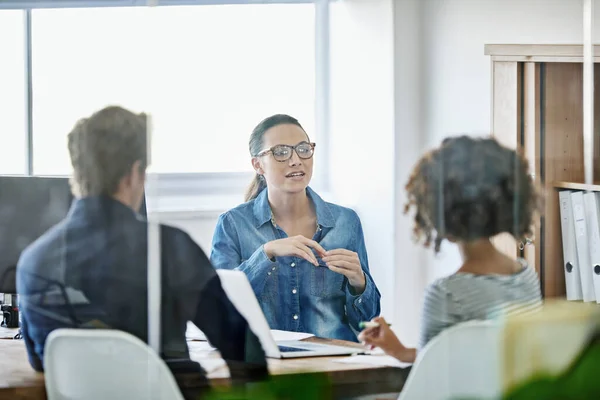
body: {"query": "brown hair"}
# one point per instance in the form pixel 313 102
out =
pixel 256 146
pixel 104 147
pixel 471 188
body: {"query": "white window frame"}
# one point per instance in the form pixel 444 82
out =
pixel 202 191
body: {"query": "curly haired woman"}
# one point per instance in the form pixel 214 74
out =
pixel 467 191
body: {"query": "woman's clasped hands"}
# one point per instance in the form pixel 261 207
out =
pixel 341 261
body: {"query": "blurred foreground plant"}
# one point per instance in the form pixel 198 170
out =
pixel 287 387
pixel 579 381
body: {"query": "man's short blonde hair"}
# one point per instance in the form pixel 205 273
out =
pixel 104 147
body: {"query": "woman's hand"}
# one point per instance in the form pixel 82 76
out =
pixel 298 246
pixel 347 263
pixel 383 337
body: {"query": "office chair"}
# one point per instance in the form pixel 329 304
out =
pixel 100 364
pixel 461 362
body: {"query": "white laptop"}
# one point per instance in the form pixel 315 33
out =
pixel 238 289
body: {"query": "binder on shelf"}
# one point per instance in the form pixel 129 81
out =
pixel 592 202
pixel 581 244
pixel 571 263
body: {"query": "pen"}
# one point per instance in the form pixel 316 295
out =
pixel 369 324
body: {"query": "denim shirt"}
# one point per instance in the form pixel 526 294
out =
pixel 293 293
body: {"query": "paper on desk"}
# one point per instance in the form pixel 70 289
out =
pixel 281 336
pixel 193 333
pixel 384 361
pixel 202 346
pixel 375 352
pixel 211 364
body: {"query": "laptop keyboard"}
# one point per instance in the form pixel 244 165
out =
pixel 286 349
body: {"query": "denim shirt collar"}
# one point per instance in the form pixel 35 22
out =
pixel 262 209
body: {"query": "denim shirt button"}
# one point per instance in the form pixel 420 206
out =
pixel 269 273
pixel 360 300
pixel 273 268
pixel 294 291
pixel 293 265
pixel 295 316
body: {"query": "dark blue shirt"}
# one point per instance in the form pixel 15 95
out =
pixel 90 271
pixel 293 293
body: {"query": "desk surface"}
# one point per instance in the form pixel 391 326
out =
pixel 19 381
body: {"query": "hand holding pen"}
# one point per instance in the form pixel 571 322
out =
pixel 369 324
pixel 377 333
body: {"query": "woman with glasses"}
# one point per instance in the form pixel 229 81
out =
pixel 305 258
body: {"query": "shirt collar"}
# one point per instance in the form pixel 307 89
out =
pixel 101 206
pixel 262 209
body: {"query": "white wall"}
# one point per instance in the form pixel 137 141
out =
pixel 409 257
pixel 362 128
pixel 456 73
pixel 199 225
pixel 194 213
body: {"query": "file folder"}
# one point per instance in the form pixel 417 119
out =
pixel 592 201
pixel 571 264
pixel 581 244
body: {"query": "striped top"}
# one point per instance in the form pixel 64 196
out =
pixel 465 296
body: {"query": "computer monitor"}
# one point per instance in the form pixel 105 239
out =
pixel 29 206
pixel 143 211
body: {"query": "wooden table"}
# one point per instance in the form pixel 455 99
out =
pixel 18 381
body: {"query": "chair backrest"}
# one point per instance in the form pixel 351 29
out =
pixel 96 364
pixel 461 362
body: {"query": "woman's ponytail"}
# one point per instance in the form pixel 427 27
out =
pixel 255 187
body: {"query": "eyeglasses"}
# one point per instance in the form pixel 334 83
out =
pixel 283 152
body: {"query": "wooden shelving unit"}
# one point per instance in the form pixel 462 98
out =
pixel 577 186
pixel 537 106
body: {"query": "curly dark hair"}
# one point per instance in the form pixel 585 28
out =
pixel 471 188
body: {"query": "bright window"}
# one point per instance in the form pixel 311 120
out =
pixel 13 128
pixel 206 74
